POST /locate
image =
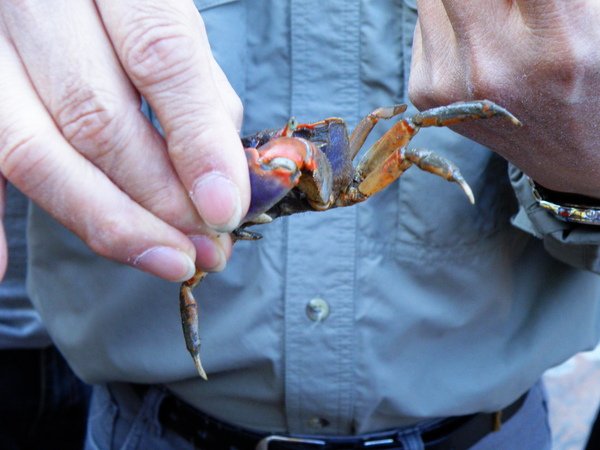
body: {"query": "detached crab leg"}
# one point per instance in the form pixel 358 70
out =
pixel 189 319
pixel 389 158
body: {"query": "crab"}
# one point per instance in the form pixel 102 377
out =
pixel 309 167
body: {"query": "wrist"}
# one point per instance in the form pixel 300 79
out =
pixel 568 207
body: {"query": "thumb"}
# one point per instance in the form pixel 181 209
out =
pixel 3 246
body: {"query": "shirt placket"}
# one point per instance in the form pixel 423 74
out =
pixel 320 257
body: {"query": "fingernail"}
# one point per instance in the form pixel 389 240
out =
pixel 209 255
pixel 217 199
pixel 166 262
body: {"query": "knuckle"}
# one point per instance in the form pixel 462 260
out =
pixel 193 141
pixel 90 120
pixel 18 155
pixel 157 50
pixel 432 89
pixel 485 83
pixel 565 73
pixel 488 75
pixel 236 110
pixel 110 237
pixel 418 93
pixel 436 78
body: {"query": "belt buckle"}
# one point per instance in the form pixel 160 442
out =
pixel 264 443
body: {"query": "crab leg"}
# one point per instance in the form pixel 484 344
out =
pixel 444 116
pixel 388 158
pixel 189 319
pixel 363 128
pixel 397 163
pixel 404 130
pixel 396 138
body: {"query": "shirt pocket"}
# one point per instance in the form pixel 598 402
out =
pixel 436 214
pixel 226 27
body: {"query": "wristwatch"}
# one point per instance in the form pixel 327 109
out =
pixel 568 207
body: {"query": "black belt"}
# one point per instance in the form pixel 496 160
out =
pixel 208 433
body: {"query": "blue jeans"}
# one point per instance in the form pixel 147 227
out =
pixel 43 405
pixel 119 419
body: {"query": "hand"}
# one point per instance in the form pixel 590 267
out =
pixel 538 58
pixel 73 139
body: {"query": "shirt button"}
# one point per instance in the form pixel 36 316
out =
pixel 317 309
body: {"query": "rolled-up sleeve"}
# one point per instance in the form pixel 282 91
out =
pixel 572 243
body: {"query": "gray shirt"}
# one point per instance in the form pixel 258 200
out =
pixel 436 307
pixel 20 324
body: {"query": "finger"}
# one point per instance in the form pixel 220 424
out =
pixel 417 48
pixel 435 75
pixel 436 30
pixel 84 88
pixel 164 49
pixel 479 21
pixel 541 13
pixel 79 79
pixel 209 259
pixel 485 31
pixel 419 75
pixel 560 21
pixel 3 243
pixel 36 158
pixel 229 98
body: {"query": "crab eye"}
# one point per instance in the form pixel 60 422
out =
pixel 292 124
pixel 290 128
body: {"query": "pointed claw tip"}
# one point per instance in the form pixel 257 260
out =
pixel 516 121
pixel 467 190
pixel 199 367
pixel 510 116
pixel 500 110
pixel 398 109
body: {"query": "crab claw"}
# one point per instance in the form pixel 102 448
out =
pixel 271 178
pixel 282 164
